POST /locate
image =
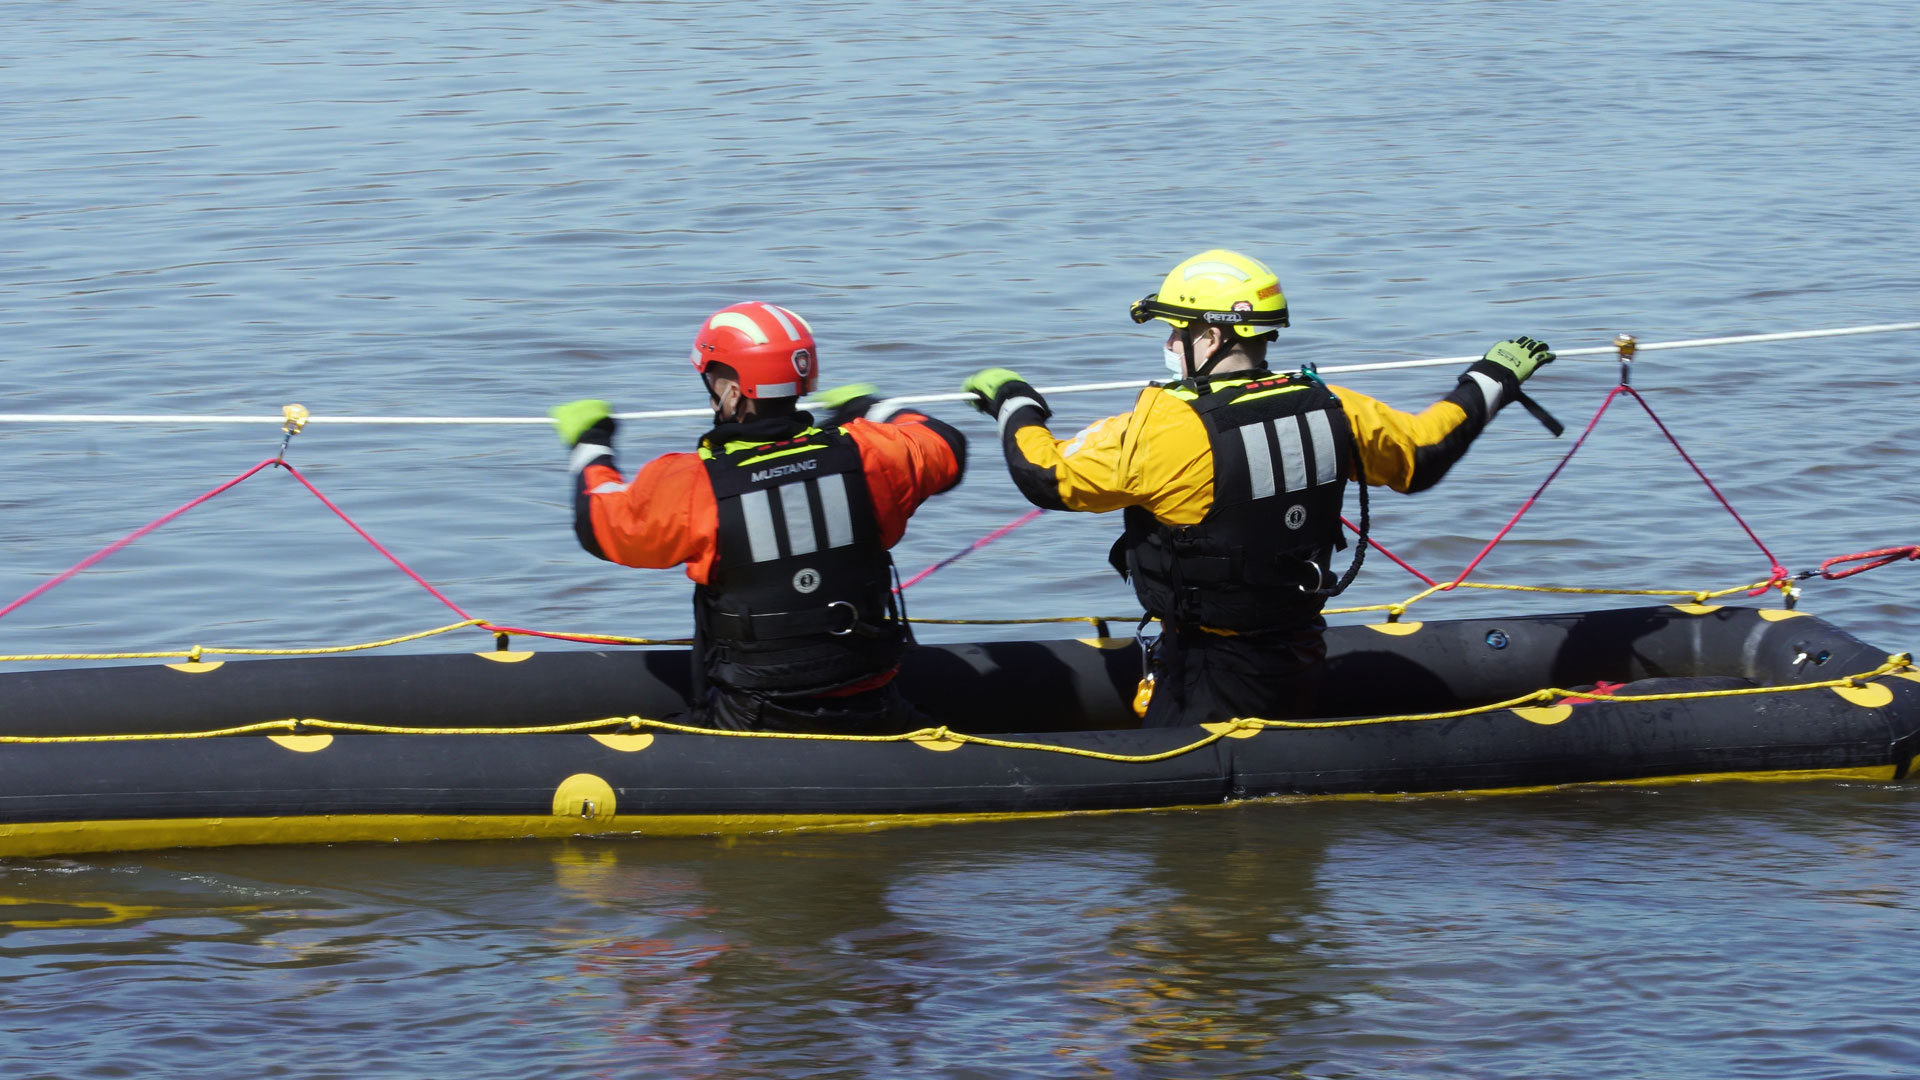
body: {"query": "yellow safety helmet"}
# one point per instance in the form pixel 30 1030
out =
pixel 1219 288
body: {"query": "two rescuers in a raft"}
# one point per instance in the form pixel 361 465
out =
pixel 784 528
pixel 1231 478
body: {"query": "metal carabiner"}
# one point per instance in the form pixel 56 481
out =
pixel 1319 579
pixel 853 618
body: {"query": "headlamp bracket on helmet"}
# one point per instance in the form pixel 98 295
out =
pixel 1151 307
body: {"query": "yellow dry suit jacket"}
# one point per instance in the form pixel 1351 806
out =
pixel 1158 457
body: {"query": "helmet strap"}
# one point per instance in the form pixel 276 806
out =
pixel 737 414
pixel 1186 344
pixel 1213 359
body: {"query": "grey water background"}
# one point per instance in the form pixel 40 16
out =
pixel 481 209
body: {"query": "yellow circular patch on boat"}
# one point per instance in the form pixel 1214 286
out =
pixel 1913 675
pixel 1700 609
pixel 1776 614
pixel 584 795
pixel 1544 714
pixel 933 740
pixel 505 657
pixel 1866 695
pixel 1232 730
pixel 196 667
pixel 305 744
pixel 1395 629
pixel 626 743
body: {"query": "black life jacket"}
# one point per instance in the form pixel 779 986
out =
pixel 1282 451
pixel 800 598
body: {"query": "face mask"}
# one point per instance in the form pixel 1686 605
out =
pixel 1176 361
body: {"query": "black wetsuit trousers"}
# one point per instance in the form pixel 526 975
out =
pixel 1201 677
pixel 881 711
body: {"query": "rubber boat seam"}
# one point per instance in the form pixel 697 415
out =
pixel 30 839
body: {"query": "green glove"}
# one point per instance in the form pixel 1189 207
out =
pixel 985 386
pixel 840 395
pixel 1520 356
pixel 1002 394
pixel 576 418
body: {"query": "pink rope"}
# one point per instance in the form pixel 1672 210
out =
pixel 128 539
pixel 1377 546
pixel 973 547
pixel 391 557
pixel 1528 505
pixel 1779 573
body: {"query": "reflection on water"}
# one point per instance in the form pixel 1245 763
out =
pixel 1625 932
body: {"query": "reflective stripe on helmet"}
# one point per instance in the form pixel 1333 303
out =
pixel 769 349
pixel 736 320
pixel 781 315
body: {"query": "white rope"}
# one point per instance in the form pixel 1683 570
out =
pixel 1607 351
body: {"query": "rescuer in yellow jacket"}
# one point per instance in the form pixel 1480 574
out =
pixel 1232 477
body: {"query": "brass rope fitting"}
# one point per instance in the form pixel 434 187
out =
pixel 1626 344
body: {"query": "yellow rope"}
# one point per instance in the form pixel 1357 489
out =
pixel 1700 596
pixel 1091 620
pixel 1394 611
pixel 614 639
pixel 1894 663
pixel 198 651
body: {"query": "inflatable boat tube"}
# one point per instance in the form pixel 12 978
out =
pixel 464 746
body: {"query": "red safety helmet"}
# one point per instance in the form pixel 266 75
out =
pixel 769 348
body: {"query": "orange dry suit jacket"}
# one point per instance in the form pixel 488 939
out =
pixel 668 515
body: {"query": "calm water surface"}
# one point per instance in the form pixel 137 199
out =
pixel 478 210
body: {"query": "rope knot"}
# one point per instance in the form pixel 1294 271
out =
pixel 193 655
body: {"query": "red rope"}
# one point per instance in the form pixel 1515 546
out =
pixel 191 503
pixel 128 539
pixel 1880 557
pixel 1381 548
pixel 973 547
pixel 391 557
pixel 1778 572
pixel 1528 505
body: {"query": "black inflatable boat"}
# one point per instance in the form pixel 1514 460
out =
pixel 496 745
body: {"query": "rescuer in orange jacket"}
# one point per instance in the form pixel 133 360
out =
pixel 783 526
pixel 1232 478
